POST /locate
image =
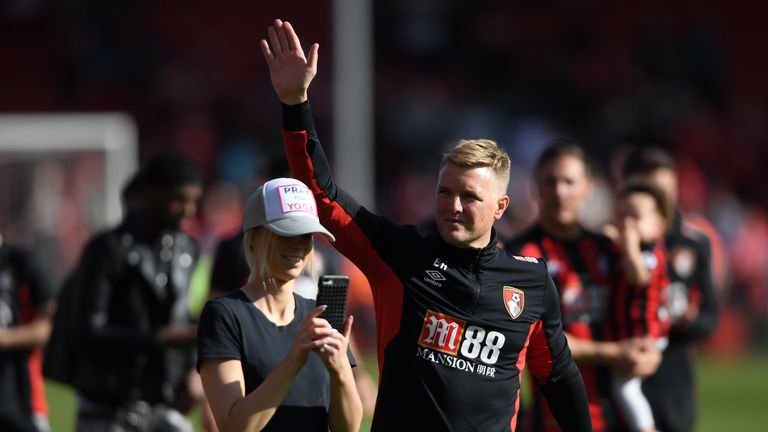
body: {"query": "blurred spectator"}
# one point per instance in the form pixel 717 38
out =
pixel 639 305
pixel 134 363
pixel 692 299
pixel 26 309
pixel 581 263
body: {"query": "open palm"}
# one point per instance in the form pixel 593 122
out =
pixel 291 72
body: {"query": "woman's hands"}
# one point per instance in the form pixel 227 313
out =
pixel 311 335
pixel 333 350
pixel 316 334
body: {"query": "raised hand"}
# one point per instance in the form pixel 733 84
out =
pixel 290 71
pixel 630 234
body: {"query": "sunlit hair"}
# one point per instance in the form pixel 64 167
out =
pixel 479 153
pixel 562 146
pixel 258 244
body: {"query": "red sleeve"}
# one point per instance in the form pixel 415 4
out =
pixel 549 358
pixel 371 242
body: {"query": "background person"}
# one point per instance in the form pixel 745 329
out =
pixel 693 300
pixel 135 330
pixel 26 311
pixel 581 263
pixel 638 302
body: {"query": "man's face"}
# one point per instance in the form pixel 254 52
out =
pixel 563 188
pixel 467 202
pixel 174 204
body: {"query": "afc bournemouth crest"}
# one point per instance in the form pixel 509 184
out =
pixel 683 261
pixel 514 300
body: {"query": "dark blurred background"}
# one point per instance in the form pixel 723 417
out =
pixel 686 75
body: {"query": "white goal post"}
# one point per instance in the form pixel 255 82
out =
pixel 61 177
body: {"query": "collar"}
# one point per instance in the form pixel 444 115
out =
pixel 468 257
pixel 676 226
pixel 541 232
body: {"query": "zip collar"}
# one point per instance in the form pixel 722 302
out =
pixel 468 258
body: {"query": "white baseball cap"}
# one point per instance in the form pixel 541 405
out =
pixel 286 207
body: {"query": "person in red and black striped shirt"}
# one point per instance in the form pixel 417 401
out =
pixel 582 264
pixel 26 311
pixel 639 297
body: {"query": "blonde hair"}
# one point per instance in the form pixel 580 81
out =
pixel 258 244
pixel 479 153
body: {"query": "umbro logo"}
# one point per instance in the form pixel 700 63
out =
pixel 435 275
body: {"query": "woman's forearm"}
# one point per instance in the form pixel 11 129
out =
pixel 346 411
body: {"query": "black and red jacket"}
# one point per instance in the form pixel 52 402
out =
pixel 639 311
pixel 25 289
pixel 583 269
pixel 692 286
pixel 455 326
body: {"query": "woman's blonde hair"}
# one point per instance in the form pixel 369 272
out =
pixel 258 244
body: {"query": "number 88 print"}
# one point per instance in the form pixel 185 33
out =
pixel 472 346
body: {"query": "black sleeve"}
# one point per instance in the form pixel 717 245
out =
pixel 554 369
pixel 217 334
pixel 706 321
pixel 40 284
pixel 567 399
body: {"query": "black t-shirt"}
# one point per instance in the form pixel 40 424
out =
pixel 24 287
pixel 232 327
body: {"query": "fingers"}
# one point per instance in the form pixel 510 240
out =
pixel 281 36
pixel 315 336
pixel 268 56
pixel 317 311
pixel 313 54
pixel 274 40
pixel 331 344
pixel 291 37
pixel 348 326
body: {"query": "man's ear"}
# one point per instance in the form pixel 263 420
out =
pixel 501 206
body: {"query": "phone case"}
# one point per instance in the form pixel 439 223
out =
pixel 332 291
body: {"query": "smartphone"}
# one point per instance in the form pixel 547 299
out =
pixel 332 291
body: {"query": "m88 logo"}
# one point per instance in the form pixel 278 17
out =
pixel 451 335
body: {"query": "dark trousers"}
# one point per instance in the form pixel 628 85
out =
pixel 132 417
pixel 673 412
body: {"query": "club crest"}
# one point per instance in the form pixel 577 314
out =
pixel 514 300
pixel 683 261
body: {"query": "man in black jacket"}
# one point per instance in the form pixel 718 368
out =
pixel 457 318
pixel 135 332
